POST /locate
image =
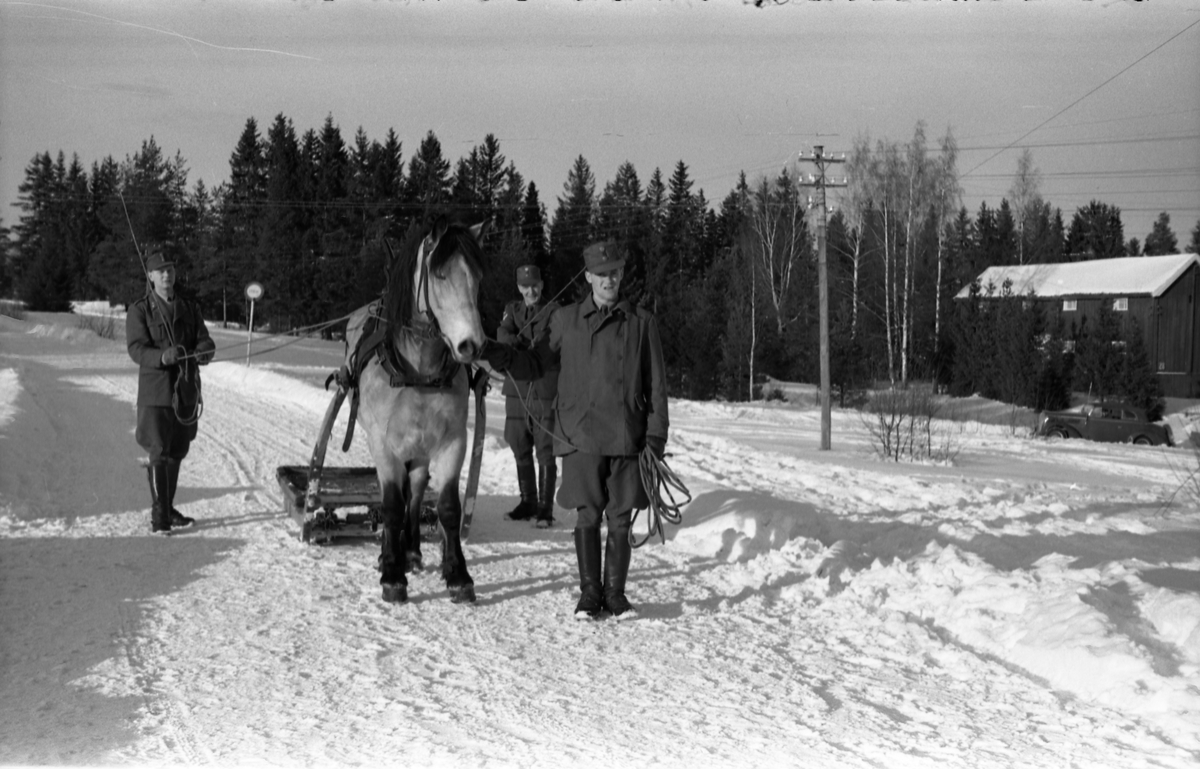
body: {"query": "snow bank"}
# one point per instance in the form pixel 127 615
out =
pixel 10 386
pixel 103 309
pixel 1100 633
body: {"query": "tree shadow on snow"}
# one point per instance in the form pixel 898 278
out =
pixel 69 606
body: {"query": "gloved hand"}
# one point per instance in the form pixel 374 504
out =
pixel 205 350
pixel 657 446
pixel 172 355
pixel 496 354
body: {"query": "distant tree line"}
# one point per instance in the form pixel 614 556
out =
pixel 733 285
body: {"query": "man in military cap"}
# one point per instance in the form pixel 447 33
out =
pixel 168 340
pixel 528 404
pixel 611 406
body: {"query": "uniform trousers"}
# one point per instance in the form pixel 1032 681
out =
pixel 597 485
pixel 162 435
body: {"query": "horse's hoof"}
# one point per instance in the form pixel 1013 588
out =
pixel 415 563
pixel 462 594
pixel 395 593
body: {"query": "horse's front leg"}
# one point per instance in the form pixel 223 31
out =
pixel 395 546
pixel 418 480
pixel 454 562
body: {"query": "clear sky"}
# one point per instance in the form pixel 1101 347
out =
pixel 720 85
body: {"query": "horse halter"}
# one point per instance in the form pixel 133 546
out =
pixel 424 322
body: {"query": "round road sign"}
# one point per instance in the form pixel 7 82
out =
pixel 254 291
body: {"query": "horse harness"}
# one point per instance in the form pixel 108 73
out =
pixel 375 341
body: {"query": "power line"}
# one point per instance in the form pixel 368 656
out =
pixel 1097 122
pixel 1089 93
pixel 1088 143
pixel 1188 171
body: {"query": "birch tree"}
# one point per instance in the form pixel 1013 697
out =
pixel 1026 200
pixel 947 197
pixel 856 204
pixel 776 218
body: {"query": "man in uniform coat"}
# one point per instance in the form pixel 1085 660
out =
pixel 528 404
pixel 167 338
pixel 611 406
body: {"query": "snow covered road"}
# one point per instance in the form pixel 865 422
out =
pixel 1034 605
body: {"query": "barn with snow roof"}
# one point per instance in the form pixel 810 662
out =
pixel 1159 291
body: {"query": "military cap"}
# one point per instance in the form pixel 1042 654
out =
pixel 157 260
pixel 528 275
pixel 600 257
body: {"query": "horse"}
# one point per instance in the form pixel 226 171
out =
pixel 413 394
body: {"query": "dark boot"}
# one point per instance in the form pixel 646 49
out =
pixel 527 483
pixel 617 552
pixel 587 552
pixel 178 519
pixel 160 519
pixel 547 477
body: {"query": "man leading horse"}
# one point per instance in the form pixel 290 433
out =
pixel 612 405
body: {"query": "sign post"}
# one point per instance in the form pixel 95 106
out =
pixel 254 291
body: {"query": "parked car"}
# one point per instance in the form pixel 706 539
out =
pixel 1107 421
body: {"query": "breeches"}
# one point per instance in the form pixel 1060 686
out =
pixel 162 435
pixel 527 432
pixel 596 485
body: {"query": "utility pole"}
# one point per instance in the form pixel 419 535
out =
pixel 819 182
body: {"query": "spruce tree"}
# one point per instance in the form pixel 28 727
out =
pixel 332 182
pixel 1096 232
pixel 1006 246
pixel 1053 386
pixel 1161 239
pixel 387 169
pixel 1136 379
pixel 654 203
pixel 291 230
pixel 505 247
pixel 427 185
pixel 572 228
pixel 1098 355
pixel 533 229
pixel 622 217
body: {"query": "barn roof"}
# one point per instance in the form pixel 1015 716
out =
pixel 1122 276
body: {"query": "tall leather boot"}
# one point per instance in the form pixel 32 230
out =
pixel 178 519
pixel 547 478
pixel 617 553
pixel 160 519
pixel 587 552
pixel 527 483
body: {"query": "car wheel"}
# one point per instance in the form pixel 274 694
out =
pixel 1058 434
pixel 1142 440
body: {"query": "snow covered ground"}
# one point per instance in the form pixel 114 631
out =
pixel 1033 604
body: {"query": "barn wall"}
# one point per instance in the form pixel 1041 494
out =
pixel 1175 325
pixel 1140 308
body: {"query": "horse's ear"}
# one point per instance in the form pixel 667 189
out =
pixel 436 230
pixel 478 231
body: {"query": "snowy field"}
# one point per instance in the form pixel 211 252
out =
pixel 1032 604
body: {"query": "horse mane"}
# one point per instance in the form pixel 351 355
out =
pixel 398 296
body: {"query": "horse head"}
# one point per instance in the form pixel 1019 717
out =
pixel 445 277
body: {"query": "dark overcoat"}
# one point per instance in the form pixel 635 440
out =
pixel 612 389
pixel 524 327
pixel 146 336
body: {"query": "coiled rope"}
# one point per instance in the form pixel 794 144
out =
pixel 661 485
